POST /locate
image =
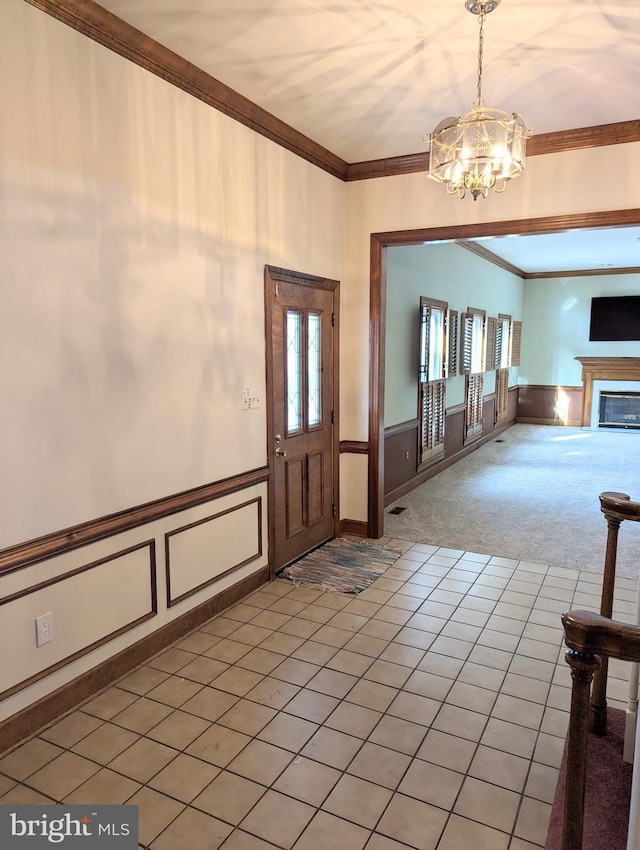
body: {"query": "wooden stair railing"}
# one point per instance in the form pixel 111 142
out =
pixel 590 638
pixel 616 507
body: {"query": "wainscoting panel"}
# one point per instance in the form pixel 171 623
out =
pixel 454 431
pixel 81 619
pixel 488 414
pixel 400 454
pixel 202 552
pixel 549 405
pixel 117 598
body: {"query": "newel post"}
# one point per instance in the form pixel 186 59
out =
pixel 583 666
pixel 599 693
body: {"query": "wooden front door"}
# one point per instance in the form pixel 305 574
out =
pixel 301 334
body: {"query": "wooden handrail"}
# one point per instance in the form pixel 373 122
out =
pixel 591 634
pixel 591 638
pixel 619 505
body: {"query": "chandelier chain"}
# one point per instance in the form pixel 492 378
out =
pixel 483 15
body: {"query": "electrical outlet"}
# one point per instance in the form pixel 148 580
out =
pixel 44 629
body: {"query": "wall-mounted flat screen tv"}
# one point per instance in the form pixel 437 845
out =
pixel 615 318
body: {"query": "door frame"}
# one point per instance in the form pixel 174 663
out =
pixel 276 274
pixel 379 242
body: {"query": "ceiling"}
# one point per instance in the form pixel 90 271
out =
pixel 598 250
pixel 369 79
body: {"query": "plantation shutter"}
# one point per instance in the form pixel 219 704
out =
pixel 425 419
pixel 438 417
pixel 516 341
pixel 452 362
pixel 466 341
pixel 491 343
pixel 500 341
pixel 502 394
pixel 432 410
pixel 473 413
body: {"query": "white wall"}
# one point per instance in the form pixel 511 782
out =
pixel 557 314
pixel 135 223
pixel 449 273
pixel 553 184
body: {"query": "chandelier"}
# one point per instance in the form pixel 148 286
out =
pixel 484 149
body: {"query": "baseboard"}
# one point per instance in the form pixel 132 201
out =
pixel 353 526
pixel 531 420
pixel 29 720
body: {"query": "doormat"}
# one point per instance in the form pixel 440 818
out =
pixel 341 565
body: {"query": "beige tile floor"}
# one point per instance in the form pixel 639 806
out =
pixel 427 712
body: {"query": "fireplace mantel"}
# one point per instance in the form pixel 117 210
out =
pixel 604 369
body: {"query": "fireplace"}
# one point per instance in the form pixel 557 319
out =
pixel 599 374
pixel 619 409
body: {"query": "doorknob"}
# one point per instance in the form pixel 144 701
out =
pixel 280 452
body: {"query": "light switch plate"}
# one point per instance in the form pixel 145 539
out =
pixel 250 399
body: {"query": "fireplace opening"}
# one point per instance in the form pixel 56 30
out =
pixel 619 410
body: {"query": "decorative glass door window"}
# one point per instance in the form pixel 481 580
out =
pixel 304 371
pixel 294 371
pixel 314 370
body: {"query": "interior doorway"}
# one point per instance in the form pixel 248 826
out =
pixel 377 314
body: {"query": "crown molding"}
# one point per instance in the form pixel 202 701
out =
pixel 584 137
pixel 92 20
pixel 565 140
pixel 581 273
pixel 389 167
pixel 479 250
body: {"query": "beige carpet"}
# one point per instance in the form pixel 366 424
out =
pixel 530 494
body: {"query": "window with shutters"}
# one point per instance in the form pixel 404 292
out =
pixel 473 337
pixel 435 367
